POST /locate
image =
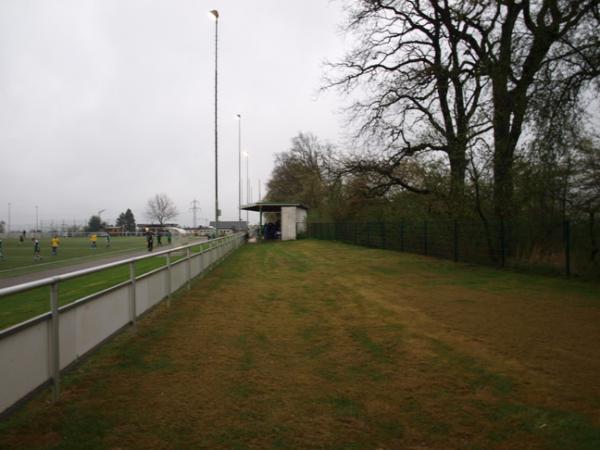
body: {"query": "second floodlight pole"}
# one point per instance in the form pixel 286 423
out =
pixel 239 167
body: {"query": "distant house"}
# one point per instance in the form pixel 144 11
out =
pixel 142 227
pixel 115 231
pixel 230 226
pixel 200 230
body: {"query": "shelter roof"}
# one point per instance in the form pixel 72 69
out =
pixel 270 206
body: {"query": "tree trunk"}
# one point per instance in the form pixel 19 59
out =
pixel 458 168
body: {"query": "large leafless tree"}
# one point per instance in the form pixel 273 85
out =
pixel 532 51
pixel 419 94
pixel 439 74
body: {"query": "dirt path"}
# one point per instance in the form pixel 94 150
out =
pixel 321 345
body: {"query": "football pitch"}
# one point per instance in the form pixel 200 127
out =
pixel 313 344
pixel 18 257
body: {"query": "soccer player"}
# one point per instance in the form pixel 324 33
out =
pixel 54 243
pixel 107 240
pixel 93 240
pixel 36 249
pixel 150 240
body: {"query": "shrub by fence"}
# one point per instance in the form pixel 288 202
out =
pixel 568 247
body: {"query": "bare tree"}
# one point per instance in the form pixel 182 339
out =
pixel 530 50
pixel 301 174
pixel 424 92
pixel 161 208
pixel 440 74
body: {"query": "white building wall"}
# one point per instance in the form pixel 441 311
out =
pixel 301 214
pixel 288 223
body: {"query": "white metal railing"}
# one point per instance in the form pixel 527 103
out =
pixel 34 352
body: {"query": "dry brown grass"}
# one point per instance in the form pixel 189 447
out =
pixel 322 345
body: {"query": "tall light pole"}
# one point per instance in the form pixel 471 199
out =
pixel 247 184
pixel 239 116
pixel 214 14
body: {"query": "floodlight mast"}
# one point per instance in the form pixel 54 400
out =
pixel 239 116
pixel 215 15
pixel 247 185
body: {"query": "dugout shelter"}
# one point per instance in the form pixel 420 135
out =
pixel 291 215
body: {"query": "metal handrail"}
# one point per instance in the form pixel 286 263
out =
pixel 78 273
pixel 55 310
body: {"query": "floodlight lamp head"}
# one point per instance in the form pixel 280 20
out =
pixel 245 153
pixel 214 14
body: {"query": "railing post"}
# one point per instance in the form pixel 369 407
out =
pixel 54 342
pixel 132 306
pixel 189 268
pixel 455 240
pixel 567 239
pixel 168 279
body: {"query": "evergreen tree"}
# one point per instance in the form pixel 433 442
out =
pixel 95 224
pixel 129 220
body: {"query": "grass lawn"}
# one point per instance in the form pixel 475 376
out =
pixel 313 344
pixel 18 258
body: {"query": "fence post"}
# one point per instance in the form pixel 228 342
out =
pixel 455 240
pixel 382 228
pixel 425 236
pixel 402 235
pixel 132 307
pixel 168 279
pixel 54 342
pixel 567 239
pixel 189 268
pixel 502 244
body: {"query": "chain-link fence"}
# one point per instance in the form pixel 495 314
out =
pixel 567 247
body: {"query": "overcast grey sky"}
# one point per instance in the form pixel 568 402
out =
pixel 104 103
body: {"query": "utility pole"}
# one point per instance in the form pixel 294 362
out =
pixel 195 208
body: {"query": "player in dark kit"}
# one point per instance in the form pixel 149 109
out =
pixel 150 240
pixel 36 249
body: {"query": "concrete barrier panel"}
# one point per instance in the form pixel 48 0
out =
pixel 25 365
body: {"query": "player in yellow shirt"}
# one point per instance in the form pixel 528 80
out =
pixel 54 243
pixel 93 240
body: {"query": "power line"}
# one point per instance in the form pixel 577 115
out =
pixel 195 208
